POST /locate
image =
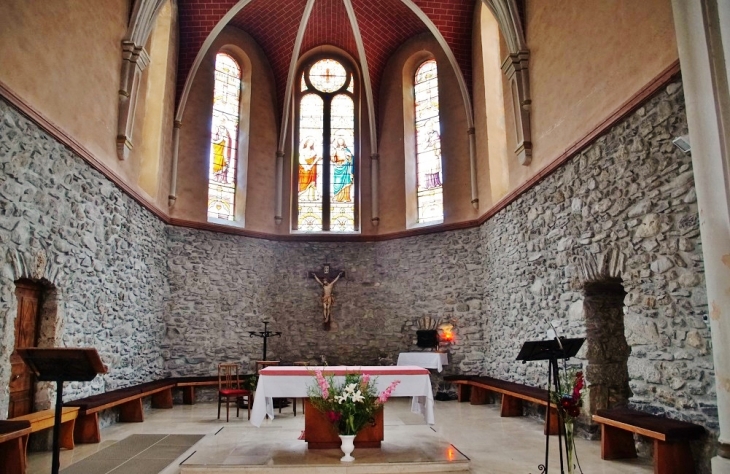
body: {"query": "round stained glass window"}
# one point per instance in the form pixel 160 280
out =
pixel 327 75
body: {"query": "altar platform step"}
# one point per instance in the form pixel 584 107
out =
pixel 406 449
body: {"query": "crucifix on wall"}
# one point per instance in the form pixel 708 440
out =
pixel 327 277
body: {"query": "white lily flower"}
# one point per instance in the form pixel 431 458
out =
pixel 357 397
pixel 350 388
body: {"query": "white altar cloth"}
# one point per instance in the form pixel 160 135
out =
pixel 294 382
pixel 427 360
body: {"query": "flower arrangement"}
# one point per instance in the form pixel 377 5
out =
pixel 571 400
pixel 349 406
pixel 569 403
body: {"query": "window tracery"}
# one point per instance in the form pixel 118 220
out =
pixel 326 156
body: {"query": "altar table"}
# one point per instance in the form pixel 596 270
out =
pixel 427 360
pixel 294 382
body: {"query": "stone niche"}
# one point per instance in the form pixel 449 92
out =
pixel 607 351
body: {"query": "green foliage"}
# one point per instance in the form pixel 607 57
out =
pixel 249 382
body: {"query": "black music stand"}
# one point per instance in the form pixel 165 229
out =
pixel 61 365
pixel 551 350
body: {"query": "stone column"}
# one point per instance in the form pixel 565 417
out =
pixel 703 39
pixel 134 60
pixel 375 189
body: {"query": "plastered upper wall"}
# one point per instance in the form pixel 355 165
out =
pixel 63 58
pixel 586 60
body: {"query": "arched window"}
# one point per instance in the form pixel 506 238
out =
pixel 224 139
pixel 325 180
pixel 429 192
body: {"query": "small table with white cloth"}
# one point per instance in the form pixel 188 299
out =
pixel 294 382
pixel 427 360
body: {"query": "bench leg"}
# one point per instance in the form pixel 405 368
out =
pixel 673 458
pixel 131 412
pixel 162 399
pixel 12 455
pixel 463 392
pixel 511 406
pixel 478 396
pixel 617 443
pixel 188 395
pixel 86 429
pixel 66 438
pixel 554 426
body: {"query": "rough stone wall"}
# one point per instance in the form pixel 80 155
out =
pixel 387 287
pixel 221 287
pixel 627 201
pixel 64 224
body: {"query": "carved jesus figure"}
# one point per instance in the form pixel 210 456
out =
pixel 328 299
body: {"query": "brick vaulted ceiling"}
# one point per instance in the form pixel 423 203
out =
pixel 384 26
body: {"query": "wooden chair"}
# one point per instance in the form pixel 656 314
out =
pixel 229 388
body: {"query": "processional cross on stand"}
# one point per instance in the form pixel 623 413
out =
pixel 325 278
pixel 265 334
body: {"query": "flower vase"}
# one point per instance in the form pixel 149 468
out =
pixel 569 446
pixel 347 447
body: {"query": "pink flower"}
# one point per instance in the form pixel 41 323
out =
pixel 388 391
pixel 365 379
pixel 333 416
pixel 323 384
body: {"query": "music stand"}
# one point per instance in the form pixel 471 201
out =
pixel 551 350
pixel 60 364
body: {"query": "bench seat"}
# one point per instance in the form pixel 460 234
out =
pixel 43 420
pixel 476 388
pixel 672 453
pixel 188 384
pixel 13 441
pixel 129 401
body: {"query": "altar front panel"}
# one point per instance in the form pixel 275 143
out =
pixel 294 382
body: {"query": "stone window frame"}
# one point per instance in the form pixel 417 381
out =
pixel 242 140
pixel 410 67
pixel 357 96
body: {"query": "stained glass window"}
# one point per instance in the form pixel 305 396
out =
pixel 224 135
pixel 325 198
pixel 428 144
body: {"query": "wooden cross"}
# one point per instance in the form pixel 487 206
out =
pixel 326 272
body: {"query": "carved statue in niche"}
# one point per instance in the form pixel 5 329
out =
pixel 328 297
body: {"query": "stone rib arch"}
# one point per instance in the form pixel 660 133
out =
pixel 606 265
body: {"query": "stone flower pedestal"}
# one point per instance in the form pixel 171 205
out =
pixel 320 434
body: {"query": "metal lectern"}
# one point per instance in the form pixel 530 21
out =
pixel 551 350
pixel 61 365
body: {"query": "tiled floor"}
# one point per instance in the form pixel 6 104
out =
pixel 493 445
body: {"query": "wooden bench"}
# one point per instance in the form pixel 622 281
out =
pixel 476 389
pixel 13 441
pixel 42 420
pixel 188 384
pixel 672 454
pixel 129 401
